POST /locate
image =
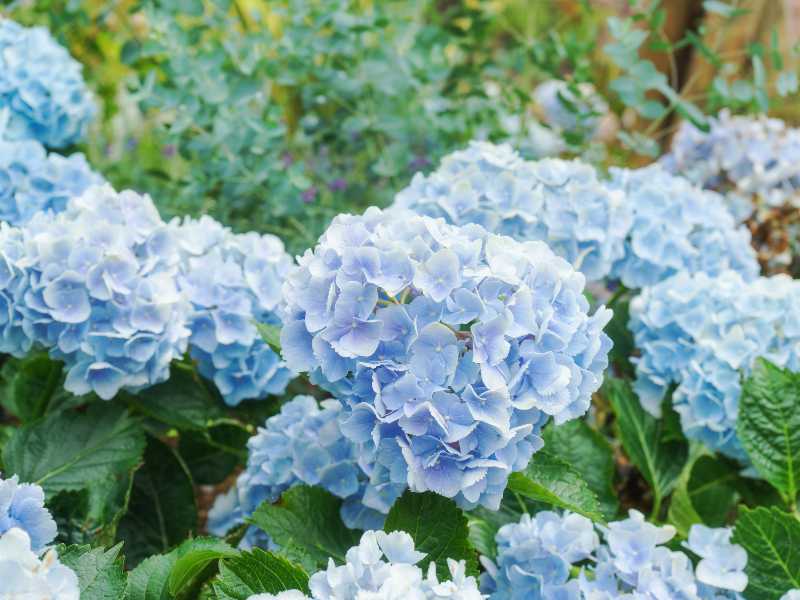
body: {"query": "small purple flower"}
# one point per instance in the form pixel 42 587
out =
pixel 338 185
pixel 309 195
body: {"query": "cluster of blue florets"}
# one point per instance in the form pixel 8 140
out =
pixel 551 555
pixel 450 348
pixel 701 333
pixel 33 181
pixel 677 228
pixel 97 286
pixel 41 87
pixel 22 507
pixel 302 444
pixel 639 228
pixel 233 282
pixel 384 566
pixel 559 202
pixel 748 157
pixel 28 569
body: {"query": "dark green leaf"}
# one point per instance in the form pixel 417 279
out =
pixel 73 451
pixel 212 455
pixel 769 426
pixel 590 454
pixel 183 401
pixel 257 572
pixel 438 527
pixel 30 384
pixel 150 579
pixel 772 540
pixel 307 526
pixel 706 494
pixel 195 566
pixel 653 445
pixel 162 510
pixel 550 480
pixel 99 571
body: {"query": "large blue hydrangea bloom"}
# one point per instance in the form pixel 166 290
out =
pixel 23 574
pixel 42 87
pixel 537 558
pixel 753 158
pixel 449 346
pixel 232 281
pixel 32 181
pixel 677 227
pixel 559 202
pixel 301 444
pixel 702 333
pixel 22 506
pixel 101 291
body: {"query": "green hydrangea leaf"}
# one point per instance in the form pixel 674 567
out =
pixel 438 527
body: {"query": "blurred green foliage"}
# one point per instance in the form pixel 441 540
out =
pixel 278 115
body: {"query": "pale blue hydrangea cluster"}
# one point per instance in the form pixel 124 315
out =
pixel 791 595
pixel 640 227
pixel 14 339
pixel 562 203
pixel 97 286
pixel 301 444
pixel 42 87
pixel 22 507
pixel 450 348
pixel 702 333
pixel 538 557
pixel 752 158
pixel 677 228
pixel 33 181
pixel 24 574
pixel 563 110
pixel 384 566
pixel 232 281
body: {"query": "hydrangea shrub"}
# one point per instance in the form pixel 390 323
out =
pixel 701 333
pixel 449 347
pixel 301 444
pixel 538 557
pixel 33 181
pixel 42 87
pixel 100 291
pixel 233 282
pixel 562 203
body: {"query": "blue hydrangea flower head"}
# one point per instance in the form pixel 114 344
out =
pixel 538 557
pixel 32 181
pixel 450 347
pixel 42 87
pixel 677 227
pixel 563 110
pixel 384 565
pixel 534 556
pixel 23 574
pixel 102 291
pixel 232 281
pixel 562 203
pixel 14 338
pixel 702 333
pixel 751 158
pixel 301 444
pixel 791 595
pixel 22 507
